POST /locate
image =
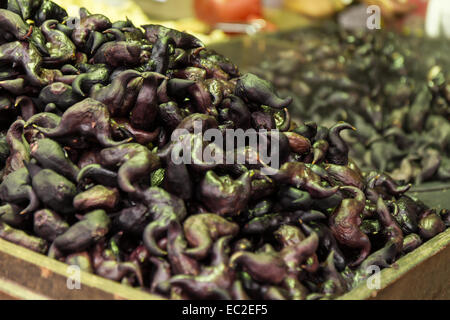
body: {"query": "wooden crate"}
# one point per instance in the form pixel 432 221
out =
pixel 24 274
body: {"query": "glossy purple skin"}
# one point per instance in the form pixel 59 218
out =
pixel 345 222
pixel 86 118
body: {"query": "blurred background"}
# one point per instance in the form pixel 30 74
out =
pixel 217 20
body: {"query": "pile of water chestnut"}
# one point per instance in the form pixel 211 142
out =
pixel 395 89
pixel 88 108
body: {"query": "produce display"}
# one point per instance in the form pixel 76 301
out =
pixel 394 89
pixel 88 116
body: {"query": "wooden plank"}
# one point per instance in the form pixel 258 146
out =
pixel 421 274
pixel 13 291
pixel 47 279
